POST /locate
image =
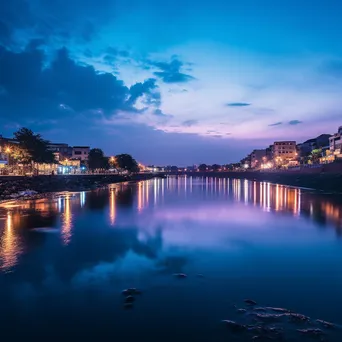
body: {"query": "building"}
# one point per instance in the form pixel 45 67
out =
pixel 258 157
pixel 284 151
pixel 61 151
pixel 80 152
pixel 335 142
pixel 320 142
pixel 6 145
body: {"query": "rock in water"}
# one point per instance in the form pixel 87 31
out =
pixel 250 302
pixel 277 309
pixel 241 311
pixel 233 326
pixel 325 323
pixel 128 306
pixel 131 291
pixel 269 317
pixel 180 275
pixel 129 299
pixel 311 332
pixel 298 318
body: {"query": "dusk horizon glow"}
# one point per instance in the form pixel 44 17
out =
pixel 176 83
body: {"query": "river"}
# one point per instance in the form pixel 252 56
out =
pixel 65 261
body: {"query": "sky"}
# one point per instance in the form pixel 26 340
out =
pixel 171 82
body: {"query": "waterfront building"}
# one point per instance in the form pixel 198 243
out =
pixel 80 152
pixel 258 157
pixel 61 151
pixel 284 151
pixel 335 143
pixel 320 142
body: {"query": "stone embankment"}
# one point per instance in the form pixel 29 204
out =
pixel 12 187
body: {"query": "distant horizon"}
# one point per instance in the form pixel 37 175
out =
pixel 227 79
pixel 184 165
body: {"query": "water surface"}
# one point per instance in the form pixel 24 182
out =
pixel 279 246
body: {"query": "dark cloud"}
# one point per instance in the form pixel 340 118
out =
pixel 148 88
pixel 295 122
pixel 170 72
pixel 189 123
pixel 238 104
pixel 32 89
pixel 54 20
pixel 276 124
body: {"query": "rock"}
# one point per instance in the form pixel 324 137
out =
pixel 277 309
pixel 129 299
pixel 233 326
pixel 250 302
pixel 242 311
pixel 298 318
pixel 325 323
pixel 311 332
pixel 180 275
pixel 131 291
pixel 269 317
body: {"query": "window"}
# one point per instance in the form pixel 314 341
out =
pixel 77 152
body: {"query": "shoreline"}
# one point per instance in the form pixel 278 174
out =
pixel 50 186
pixel 320 182
pixel 46 186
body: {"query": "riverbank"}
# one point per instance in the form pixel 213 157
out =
pixel 11 187
pixel 324 182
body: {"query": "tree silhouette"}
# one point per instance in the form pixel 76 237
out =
pixel 97 160
pixel 203 167
pixel 33 147
pixel 126 162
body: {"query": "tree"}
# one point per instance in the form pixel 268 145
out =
pixel 127 162
pixel 215 167
pixel 315 156
pixel 203 167
pixel 97 160
pixel 20 155
pixel 35 147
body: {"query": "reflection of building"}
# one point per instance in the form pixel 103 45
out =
pixel 80 152
pixel 112 207
pixel 10 244
pixel 67 221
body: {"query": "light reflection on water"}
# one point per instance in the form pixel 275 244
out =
pixel 254 238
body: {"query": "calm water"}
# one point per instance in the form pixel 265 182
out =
pixel 279 246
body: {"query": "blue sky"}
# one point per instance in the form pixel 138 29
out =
pixel 172 82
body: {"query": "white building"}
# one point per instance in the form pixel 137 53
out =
pixel 335 142
pixel 80 152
